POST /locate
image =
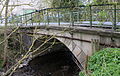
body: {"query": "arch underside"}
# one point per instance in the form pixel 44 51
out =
pixel 56 60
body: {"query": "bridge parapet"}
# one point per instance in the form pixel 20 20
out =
pixel 102 15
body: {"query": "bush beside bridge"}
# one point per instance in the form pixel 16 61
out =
pixel 104 63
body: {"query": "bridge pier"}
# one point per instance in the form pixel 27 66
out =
pixel 95 45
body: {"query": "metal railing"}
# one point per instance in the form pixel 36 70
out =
pixel 102 15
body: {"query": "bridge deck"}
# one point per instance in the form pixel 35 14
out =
pixel 68 25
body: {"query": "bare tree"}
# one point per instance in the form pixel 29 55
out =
pixel 5 32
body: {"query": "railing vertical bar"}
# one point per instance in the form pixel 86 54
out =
pixel 26 20
pixel 58 18
pixel 90 16
pixel 47 17
pixel 17 21
pixel 115 19
pixel 78 17
pixel 39 18
pixel 32 19
pixel 44 17
pixel 12 19
pixel 21 19
pixel 71 18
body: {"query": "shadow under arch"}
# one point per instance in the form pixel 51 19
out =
pixel 56 60
pixel 56 57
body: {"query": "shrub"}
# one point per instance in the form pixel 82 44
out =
pixel 105 63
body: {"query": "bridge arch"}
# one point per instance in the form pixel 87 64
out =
pixel 56 59
pixel 75 49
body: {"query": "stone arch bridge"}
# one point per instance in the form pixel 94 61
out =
pixel 75 33
pixel 71 44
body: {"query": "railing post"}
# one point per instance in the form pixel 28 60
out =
pixel 26 20
pixel 17 21
pixel 44 17
pixel 47 17
pixel 71 18
pixel 78 18
pixel 31 19
pixel 90 16
pixel 95 45
pixel 115 19
pixel 12 19
pixel 58 18
pixel 39 18
pixel 1 21
pixel 21 19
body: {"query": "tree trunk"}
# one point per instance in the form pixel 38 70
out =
pixel 5 33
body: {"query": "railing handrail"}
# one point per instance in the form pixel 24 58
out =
pixel 90 11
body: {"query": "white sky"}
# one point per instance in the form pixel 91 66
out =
pixel 18 9
pixel 35 5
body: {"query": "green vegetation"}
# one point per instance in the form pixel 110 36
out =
pixel 104 63
pixel 105 1
pixel 64 3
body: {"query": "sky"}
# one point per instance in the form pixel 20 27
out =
pixel 35 5
pixel 18 9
